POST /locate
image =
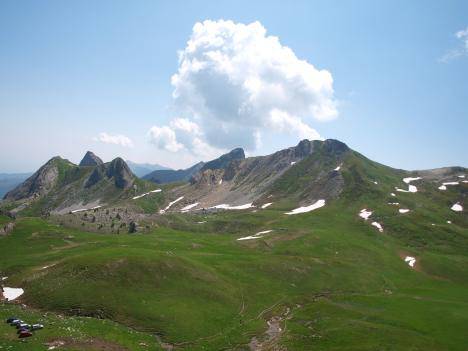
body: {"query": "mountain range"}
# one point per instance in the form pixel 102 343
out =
pixel 313 247
pixel 303 174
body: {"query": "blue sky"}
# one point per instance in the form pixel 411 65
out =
pixel 72 70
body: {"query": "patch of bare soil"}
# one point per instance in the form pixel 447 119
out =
pixel 269 341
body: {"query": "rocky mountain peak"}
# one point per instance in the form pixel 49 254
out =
pixel 335 146
pixel 41 182
pixel 90 160
pixel 119 170
pixel 304 148
pixel 224 160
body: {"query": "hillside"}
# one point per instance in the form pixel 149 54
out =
pixel 314 247
pixel 60 186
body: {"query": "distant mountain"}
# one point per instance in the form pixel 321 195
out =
pixel 303 174
pixel 142 169
pixel 300 175
pixel 224 160
pixel 170 176
pixel 10 180
pixel 184 175
pixel 61 186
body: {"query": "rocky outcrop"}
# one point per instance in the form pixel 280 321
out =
pixel 90 160
pixel 303 172
pixel 223 161
pixel 41 182
pixel 119 171
pixel 96 176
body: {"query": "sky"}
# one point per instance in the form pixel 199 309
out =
pixel 175 82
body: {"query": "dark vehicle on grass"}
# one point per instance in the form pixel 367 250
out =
pixel 22 330
pixel 16 322
pixel 25 334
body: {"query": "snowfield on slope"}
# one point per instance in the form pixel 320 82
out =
pixel 304 209
pixel 457 207
pixel 86 209
pixel 256 236
pixel 189 207
pixel 365 214
pixel 444 185
pixel 229 207
pixel 410 179
pixel 12 293
pixel 170 204
pixel 144 194
pixel 378 226
pixel 410 260
pixel 411 189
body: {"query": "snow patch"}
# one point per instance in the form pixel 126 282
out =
pixel 220 182
pixel 12 293
pixel 410 179
pixel 410 260
pixel 449 222
pixel 378 226
pixel 267 204
pixel 256 236
pixel 79 210
pixel 394 203
pixel 403 210
pixel 170 204
pixel 444 185
pixel 229 207
pixel 293 163
pixel 304 209
pixel 375 182
pixel 393 194
pixel 338 168
pixel 144 194
pixel 86 209
pixel 189 207
pixel 411 189
pixel 365 214
pixel 461 176
pixel 457 207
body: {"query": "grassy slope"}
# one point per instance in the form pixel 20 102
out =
pixel 345 283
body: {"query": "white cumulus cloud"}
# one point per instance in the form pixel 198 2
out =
pixel 235 83
pixel 461 50
pixel 164 138
pixel 116 139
